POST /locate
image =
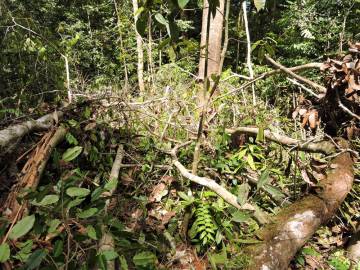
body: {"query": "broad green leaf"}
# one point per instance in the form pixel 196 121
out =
pixel 109 255
pixel 241 154
pixel 260 137
pixel 87 213
pixel 71 139
pixel 47 200
pixel 53 224
pixel 22 227
pixel 275 192
pixel 24 252
pixel 77 192
pixel 263 179
pixel 250 161
pixel 35 259
pixel 123 263
pixel 182 3
pixel 4 252
pixel 259 4
pixel 243 193
pixel 141 23
pixel 139 11
pixel 111 184
pixel 144 259
pixel 97 193
pixel 240 216
pixel 160 19
pixel 75 202
pixel 58 248
pixel 91 232
pixel 72 153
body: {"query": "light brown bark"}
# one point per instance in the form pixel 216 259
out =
pixel 215 39
pixel 140 53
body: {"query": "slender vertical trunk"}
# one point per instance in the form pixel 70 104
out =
pixel 248 57
pixel 126 86
pixel 140 53
pixel 151 65
pixel 215 40
pixel 226 36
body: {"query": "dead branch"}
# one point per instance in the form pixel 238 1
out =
pixel 268 74
pixel 32 172
pixel 324 147
pixel 212 185
pixel 11 135
pixel 293 226
pixel 107 241
pixel 314 85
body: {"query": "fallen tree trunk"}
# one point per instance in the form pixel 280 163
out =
pixel 32 172
pixel 324 147
pixel 294 225
pixel 212 185
pixel 107 242
pixel 11 135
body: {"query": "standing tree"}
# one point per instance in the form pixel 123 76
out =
pixel 211 31
pixel 140 53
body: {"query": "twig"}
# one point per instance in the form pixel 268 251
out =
pixel 314 85
pixel 304 88
pixel 344 108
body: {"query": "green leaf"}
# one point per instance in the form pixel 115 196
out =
pixel 160 19
pixel 263 179
pixel 274 192
pixel 243 193
pixel 97 193
pixel 58 248
pixel 4 252
pixel 141 23
pixel 71 139
pixel 25 251
pixel 75 202
pixel 77 192
pixel 87 213
pixel 109 255
pixel 35 259
pixel 139 11
pixel 240 216
pixel 22 227
pixel 47 200
pixel 111 185
pixel 144 259
pixel 259 4
pixel 72 153
pixel 260 137
pixel 53 224
pixel 91 232
pixel 250 161
pixel 182 3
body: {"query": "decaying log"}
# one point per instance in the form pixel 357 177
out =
pixel 294 225
pixel 324 147
pixel 314 85
pixel 11 135
pixel 212 185
pixel 32 172
pixel 107 241
pixel 353 249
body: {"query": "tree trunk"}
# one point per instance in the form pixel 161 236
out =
pixel 140 53
pixel 215 38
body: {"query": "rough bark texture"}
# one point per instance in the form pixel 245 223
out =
pixel 140 53
pixel 294 225
pixel 325 147
pixel 11 135
pixel 215 40
pixel 32 172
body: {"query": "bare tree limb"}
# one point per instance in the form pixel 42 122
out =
pixel 107 241
pixel 212 185
pixel 324 147
pixel 12 134
pixel 314 85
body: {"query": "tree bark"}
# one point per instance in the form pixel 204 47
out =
pixel 11 135
pixel 140 53
pixel 293 226
pixel 215 39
